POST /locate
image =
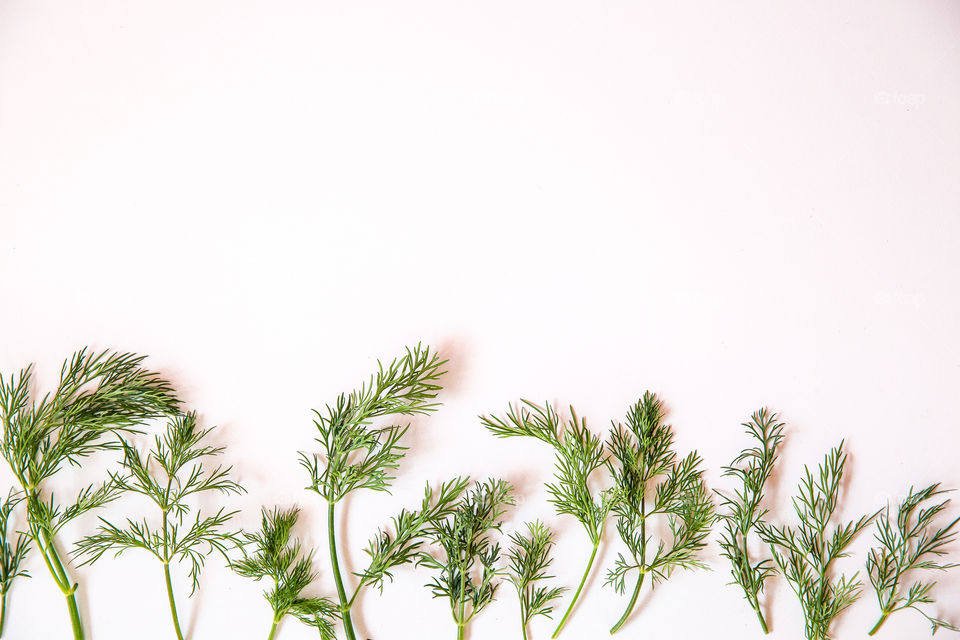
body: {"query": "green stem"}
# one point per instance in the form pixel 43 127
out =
pixel 3 610
pixel 763 623
pixel 576 595
pixel 60 575
pixel 273 629
pixel 335 563
pixel 630 605
pixel 173 604
pixel 460 632
pixel 166 574
pixel 879 624
pixel 523 624
pixel 75 617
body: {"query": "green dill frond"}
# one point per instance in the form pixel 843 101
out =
pixel 579 454
pixel 164 476
pixel 643 451
pixel 98 394
pixel 466 566
pixel 410 530
pixel 741 512
pixel 910 542
pixel 528 564
pixel 12 553
pixel 804 554
pixel 356 454
pixel 273 554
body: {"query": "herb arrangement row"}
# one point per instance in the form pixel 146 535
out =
pixel 105 399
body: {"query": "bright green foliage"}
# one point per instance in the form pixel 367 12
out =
pixel 98 394
pixel 170 474
pixel 529 559
pixel 277 557
pixel 741 511
pixel 356 454
pixel 466 568
pixel 912 542
pixel 410 530
pixel 643 450
pixel 11 555
pixel 804 554
pixel 579 455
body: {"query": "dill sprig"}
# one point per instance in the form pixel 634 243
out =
pixel 467 568
pixel 171 472
pixel 11 555
pixel 277 557
pixel 358 455
pixel 909 543
pixel 804 554
pixel 643 449
pixel 529 559
pixel 98 394
pixel 741 512
pixel 579 453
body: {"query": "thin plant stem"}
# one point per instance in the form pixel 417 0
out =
pixel 876 627
pixel 763 623
pixel 173 604
pixel 630 605
pixel 576 595
pixel 754 602
pixel 335 564
pixel 273 628
pixel 74 616
pixel 63 581
pixel 166 573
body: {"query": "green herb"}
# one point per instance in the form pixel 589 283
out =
pixel 277 557
pixel 911 543
pixel 741 512
pixel 579 454
pixel 805 554
pixel 467 567
pixel 169 490
pixel 643 449
pixel 98 394
pixel 11 555
pixel 357 455
pixel 529 557
pixel 410 529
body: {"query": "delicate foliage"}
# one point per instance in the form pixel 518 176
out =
pixel 12 554
pixel 169 474
pixel 277 556
pixel 466 567
pixel 804 554
pixel 98 394
pixel 579 454
pixel 911 542
pixel 643 451
pixel 528 562
pixel 410 530
pixel 741 512
pixel 357 455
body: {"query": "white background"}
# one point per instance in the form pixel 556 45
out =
pixel 735 204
